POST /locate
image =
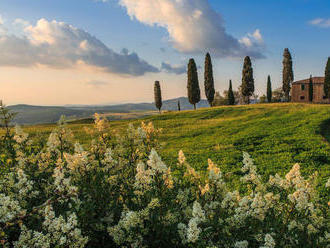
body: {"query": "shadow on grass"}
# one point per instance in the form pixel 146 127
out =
pixel 325 129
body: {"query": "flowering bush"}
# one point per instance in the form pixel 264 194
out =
pixel 119 193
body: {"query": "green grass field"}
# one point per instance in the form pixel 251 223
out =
pixel 276 135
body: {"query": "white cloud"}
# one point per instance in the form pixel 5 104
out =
pixel 257 35
pixel 193 26
pixel 252 40
pixel 60 45
pixel 21 22
pixel 320 22
pixel 176 69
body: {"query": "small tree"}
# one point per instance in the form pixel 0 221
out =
pixel 310 88
pixel 179 107
pixel 194 93
pixel 269 90
pixel 247 87
pixel 158 96
pixel 231 97
pixel 327 80
pixel 6 140
pixel 208 79
pixel 218 99
pixel 263 99
pixel 6 117
pixel 278 95
pixel 287 73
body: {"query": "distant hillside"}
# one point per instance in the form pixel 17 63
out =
pixel 28 114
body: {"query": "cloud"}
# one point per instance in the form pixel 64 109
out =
pixel 252 40
pixel 60 45
pixel 21 22
pixel 3 29
pixel 320 22
pixel 193 26
pixel 176 69
pixel 96 83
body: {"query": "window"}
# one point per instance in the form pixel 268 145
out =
pixel 302 98
pixel 302 87
pixel 324 97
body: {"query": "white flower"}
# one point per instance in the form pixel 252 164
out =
pixel 241 244
pixel 155 162
pixel 193 230
pixel 269 242
pixel 20 137
pixel 327 185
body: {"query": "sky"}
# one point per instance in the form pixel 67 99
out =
pixel 111 51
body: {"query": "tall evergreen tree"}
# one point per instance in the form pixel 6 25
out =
pixel 327 80
pixel 288 76
pixel 310 89
pixel 231 97
pixel 247 87
pixel 194 93
pixel 179 106
pixel 269 90
pixel 158 96
pixel 208 79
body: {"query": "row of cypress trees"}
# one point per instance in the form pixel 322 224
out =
pixel 247 87
pixel 194 95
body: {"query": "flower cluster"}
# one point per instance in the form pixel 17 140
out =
pixel 118 192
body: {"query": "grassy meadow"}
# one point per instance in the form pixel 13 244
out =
pixel 276 135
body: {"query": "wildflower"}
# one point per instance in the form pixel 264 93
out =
pixel 204 189
pixel 191 172
pixel 311 229
pixel 292 225
pixel 212 167
pixel 241 244
pixel 167 177
pixel 20 136
pixel 193 230
pixel 293 173
pixel 101 124
pixel 181 157
pixel 327 185
pixel 269 242
pixel 155 162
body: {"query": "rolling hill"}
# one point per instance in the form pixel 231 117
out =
pixel 276 135
pixel 29 115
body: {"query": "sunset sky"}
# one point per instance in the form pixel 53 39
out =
pixel 56 52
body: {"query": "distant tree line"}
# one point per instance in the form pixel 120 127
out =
pixel 247 88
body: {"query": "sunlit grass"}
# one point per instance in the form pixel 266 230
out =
pixel 276 135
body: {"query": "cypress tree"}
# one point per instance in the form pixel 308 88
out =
pixel 179 106
pixel 231 97
pixel 158 96
pixel 208 79
pixel 247 87
pixel 269 90
pixel 310 89
pixel 287 73
pixel 194 93
pixel 327 80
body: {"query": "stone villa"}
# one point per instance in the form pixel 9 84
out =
pixel 300 91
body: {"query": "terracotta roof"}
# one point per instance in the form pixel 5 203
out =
pixel 316 80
